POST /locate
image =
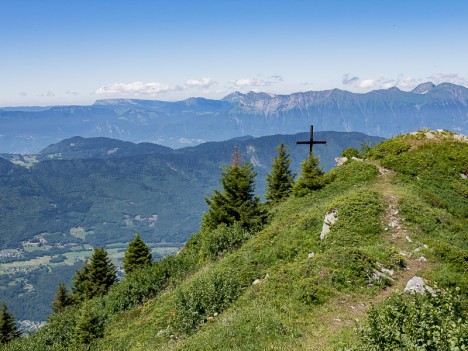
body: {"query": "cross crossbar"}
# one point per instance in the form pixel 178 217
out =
pixel 311 142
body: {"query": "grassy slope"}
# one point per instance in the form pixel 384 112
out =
pixel 312 304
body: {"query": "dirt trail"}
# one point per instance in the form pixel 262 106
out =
pixel 341 317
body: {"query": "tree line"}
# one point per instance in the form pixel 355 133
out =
pixel 236 204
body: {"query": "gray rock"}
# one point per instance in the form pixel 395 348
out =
pixel 256 281
pixel 312 254
pixel 340 160
pixel 330 219
pixel 416 285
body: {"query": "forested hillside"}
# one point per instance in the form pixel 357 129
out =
pixel 83 193
pixel 306 276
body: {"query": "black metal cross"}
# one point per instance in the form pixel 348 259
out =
pixel 311 142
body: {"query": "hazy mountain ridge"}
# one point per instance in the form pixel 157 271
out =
pixel 193 121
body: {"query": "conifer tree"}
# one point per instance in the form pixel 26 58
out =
pixel 311 177
pixel 95 277
pixel 8 329
pixel 102 272
pixel 62 298
pixel 88 328
pixel 236 202
pixel 138 255
pixel 281 179
pixel 81 288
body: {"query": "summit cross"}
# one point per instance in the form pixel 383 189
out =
pixel 311 142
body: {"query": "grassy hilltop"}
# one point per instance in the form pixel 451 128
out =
pixel 401 212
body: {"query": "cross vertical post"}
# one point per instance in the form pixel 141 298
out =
pixel 311 142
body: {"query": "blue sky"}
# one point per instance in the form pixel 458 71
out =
pixel 75 52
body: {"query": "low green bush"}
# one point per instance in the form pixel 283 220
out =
pixel 350 152
pixel 407 322
pixel 223 239
pixel 203 297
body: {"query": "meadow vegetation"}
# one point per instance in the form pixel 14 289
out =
pixel 278 286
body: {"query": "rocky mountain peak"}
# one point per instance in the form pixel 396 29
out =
pixel 423 88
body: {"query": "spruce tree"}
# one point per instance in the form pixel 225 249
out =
pixel 311 177
pixel 8 329
pixel 138 255
pixel 102 272
pixel 82 285
pixel 281 179
pixel 236 202
pixel 89 327
pixel 95 277
pixel 62 298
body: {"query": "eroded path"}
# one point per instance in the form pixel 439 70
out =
pixel 339 319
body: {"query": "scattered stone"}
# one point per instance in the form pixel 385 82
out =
pixel 422 259
pixel 356 158
pixel 379 276
pixel 340 160
pixel 393 224
pixel 425 246
pixel 463 175
pixel 417 250
pixel 461 137
pixel 408 239
pixel 416 285
pixel 429 135
pixel 215 314
pixel 440 130
pixel 387 271
pixel 256 281
pixel 161 332
pixel 383 170
pixel 330 219
pixel 312 254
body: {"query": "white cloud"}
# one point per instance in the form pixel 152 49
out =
pixel 200 83
pixel 47 94
pixel 277 78
pixel 453 78
pixel 70 92
pixel 136 88
pixel 255 82
pixel 347 80
pixel 22 93
pixel 249 83
pixel 367 83
pixel 405 82
pixel 402 82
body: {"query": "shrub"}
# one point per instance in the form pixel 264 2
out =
pixel 350 152
pixel 205 296
pixel 430 322
pixel 223 238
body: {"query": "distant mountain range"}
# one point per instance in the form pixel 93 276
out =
pixel 196 120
